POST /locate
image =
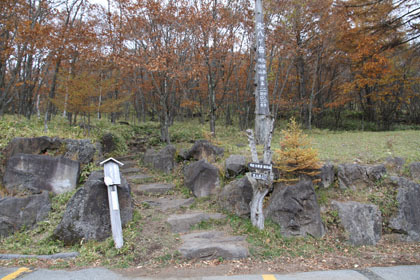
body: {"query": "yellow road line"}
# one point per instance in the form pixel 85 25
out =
pixel 269 277
pixel 16 274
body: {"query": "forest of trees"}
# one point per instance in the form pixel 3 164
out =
pixel 169 60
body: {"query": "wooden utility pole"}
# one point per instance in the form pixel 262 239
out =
pixel 262 109
pixel 262 179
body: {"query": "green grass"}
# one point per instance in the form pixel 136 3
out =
pixel 367 147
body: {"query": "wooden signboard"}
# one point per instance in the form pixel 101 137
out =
pixel 260 176
pixel 112 178
pixel 260 166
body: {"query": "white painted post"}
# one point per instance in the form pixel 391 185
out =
pixel 112 179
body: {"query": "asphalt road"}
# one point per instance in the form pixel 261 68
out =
pixel 374 273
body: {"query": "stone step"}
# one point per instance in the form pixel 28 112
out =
pixel 154 188
pixel 129 164
pixel 213 245
pixel 184 222
pixel 165 204
pixel 138 177
pixel 127 158
pixel 132 170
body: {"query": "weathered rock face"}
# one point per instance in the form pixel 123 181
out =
pixel 34 173
pixel 415 170
pixel 202 178
pixel 80 150
pixel 326 175
pixel 408 217
pixel 108 143
pixel 16 212
pixel 203 149
pixel 296 210
pixel 394 164
pixel 236 196
pixel 363 222
pixel 163 160
pixel 235 165
pixel 354 176
pixel 35 146
pixel 87 213
pixel 213 245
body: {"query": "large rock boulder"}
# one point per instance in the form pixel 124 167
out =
pixel 415 170
pixel 235 165
pixel 236 196
pixel 354 176
pixel 202 178
pixel 17 212
pixel 108 143
pixel 363 222
pixel 296 210
pixel 82 151
pixel 79 150
pixel 326 175
pixel 163 160
pixel 87 213
pixel 213 245
pixel 408 218
pixel 36 172
pixel 203 149
pixel 394 164
pixel 34 146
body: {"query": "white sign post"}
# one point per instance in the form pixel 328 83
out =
pixel 112 179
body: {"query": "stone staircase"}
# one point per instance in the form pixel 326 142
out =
pixel 168 220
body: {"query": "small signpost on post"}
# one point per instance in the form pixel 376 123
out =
pixel 112 179
pixel 260 168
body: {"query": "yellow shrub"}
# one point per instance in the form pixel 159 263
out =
pixel 296 157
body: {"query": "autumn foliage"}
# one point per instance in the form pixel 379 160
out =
pixel 295 158
pixel 175 60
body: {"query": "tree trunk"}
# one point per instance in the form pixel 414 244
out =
pixel 212 103
pixel 256 205
pixel 260 187
pixel 312 96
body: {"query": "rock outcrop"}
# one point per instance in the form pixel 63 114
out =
pixel 235 165
pixel 78 150
pixel 35 173
pixel 236 196
pixel 296 210
pixel 202 178
pixel 203 149
pixel 163 160
pixel 354 176
pixel 87 213
pixel 363 222
pixel 326 176
pixel 407 220
pixel 17 212
pixel 415 170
